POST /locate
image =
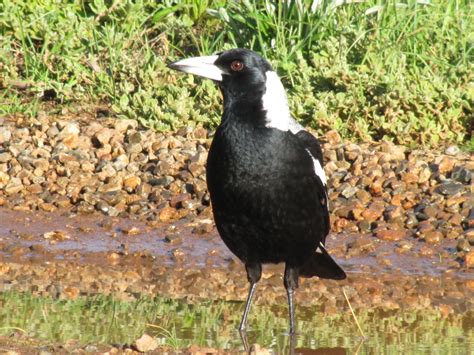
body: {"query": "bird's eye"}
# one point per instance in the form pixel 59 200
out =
pixel 236 65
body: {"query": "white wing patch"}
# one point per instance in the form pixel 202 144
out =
pixel 320 248
pixel 318 169
pixel 278 114
pixel 275 104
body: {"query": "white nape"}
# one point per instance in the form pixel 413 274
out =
pixel 275 104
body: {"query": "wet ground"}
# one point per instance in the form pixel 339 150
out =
pixel 68 255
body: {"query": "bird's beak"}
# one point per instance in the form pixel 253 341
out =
pixel 202 66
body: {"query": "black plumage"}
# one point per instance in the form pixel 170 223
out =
pixel 264 174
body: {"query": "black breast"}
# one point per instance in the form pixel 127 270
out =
pixel 265 197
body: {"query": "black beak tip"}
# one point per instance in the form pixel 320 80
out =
pixel 171 65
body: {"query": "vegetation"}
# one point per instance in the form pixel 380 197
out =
pixel 104 320
pixel 371 69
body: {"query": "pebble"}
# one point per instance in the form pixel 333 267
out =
pixel 5 135
pixel 462 175
pixel 392 235
pixel 433 237
pixel 146 343
pixel 469 259
pixel 173 239
pixel 452 150
pixel 463 245
pixel 450 188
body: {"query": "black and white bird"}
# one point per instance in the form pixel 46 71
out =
pixel 265 175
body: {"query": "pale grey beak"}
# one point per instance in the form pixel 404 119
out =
pixel 202 66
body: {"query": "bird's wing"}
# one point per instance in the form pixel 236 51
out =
pixel 311 145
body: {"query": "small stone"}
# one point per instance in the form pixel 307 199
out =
pixel 48 207
pixel 410 178
pixel 14 186
pixel 463 245
pixel 69 128
pixel 470 236
pixel 102 137
pixel 5 135
pixel 445 310
pixel 333 137
pixel 450 188
pixel 363 196
pixel 452 150
pixel 349 191
pixel 173 239
pixel 425 251
pixel 4 178
pixel 102 206
pixel 146 343
pixel 392 235
pixel 56 235
pixel 71 292
pixel 134 138
pixel 256 349
pixel 178 254
pixel 196 169
pixel 167 214
pixel 130 183
pixel 162 181
pixel 131 230
pixel 120 162
pixel 374 212
pixel 203 227
pixel 122 125
pixel 446 165
pixel 433 237
pixel 177 200
pixel 376 186
pixel 113 257
pixel 5 157
pixel 469 259
pixel 462 175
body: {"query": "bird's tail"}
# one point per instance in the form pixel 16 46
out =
pixel 322 265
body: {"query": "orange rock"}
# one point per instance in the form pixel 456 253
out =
pixel 445 310
pixel 470 284
pixel 131 182
pixel 469 259
pixel 374 212
pixel 71 292
pixel 333 137
pixel 393 235
pixel 446 165
pixel 71 141
pixel 167 214
pixel 409 178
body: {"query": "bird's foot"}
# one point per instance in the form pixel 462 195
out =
pixel 243 337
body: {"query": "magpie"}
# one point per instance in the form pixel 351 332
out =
pixel 265 175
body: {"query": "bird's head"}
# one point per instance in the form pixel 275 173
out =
pixel 243 76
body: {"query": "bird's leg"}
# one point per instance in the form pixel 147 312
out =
pixel 245 341
pixel 291 283
pixel 254 272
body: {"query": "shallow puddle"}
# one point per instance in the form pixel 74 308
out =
pixel 406 303
pixel 177 324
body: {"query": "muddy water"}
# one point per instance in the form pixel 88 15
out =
pixel 409 299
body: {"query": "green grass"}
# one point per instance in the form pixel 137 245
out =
pixel 371 70
pixel 104 320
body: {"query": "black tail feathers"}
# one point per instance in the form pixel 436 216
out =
pixel 322 265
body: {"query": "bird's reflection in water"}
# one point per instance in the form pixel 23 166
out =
pixel 293 350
